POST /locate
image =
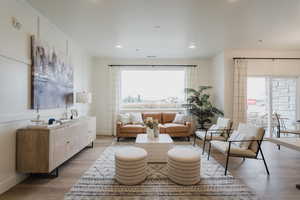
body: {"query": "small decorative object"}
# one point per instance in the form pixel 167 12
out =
pixel 199 105
pixel 51 121
pixel 74 114
pixel 151 127
pixel 156 131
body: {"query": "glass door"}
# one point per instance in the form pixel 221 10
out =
pixel 284 100
pixel 257 101
pixel 269 95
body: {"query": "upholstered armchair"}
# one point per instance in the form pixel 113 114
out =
pixel 219 131
pixel 244 143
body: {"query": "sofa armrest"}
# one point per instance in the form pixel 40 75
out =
pixel 119 125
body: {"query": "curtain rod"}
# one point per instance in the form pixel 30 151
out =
pixel 255 58
pixel 152 65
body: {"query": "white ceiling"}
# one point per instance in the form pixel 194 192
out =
pixel 212 25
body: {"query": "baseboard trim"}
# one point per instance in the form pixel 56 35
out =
pixel 11 181
pixel 104 133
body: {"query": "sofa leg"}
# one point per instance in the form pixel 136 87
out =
pixel 188 138
pixel 118 139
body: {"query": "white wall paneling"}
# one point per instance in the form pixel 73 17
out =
pixel 15 79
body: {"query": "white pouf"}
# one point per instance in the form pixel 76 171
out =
pixel 131 163
pixel 184 166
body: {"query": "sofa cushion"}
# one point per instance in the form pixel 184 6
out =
pixel 154 115
pixel 175 128
pixel 133 128
pixel 168 117
pixel 234 150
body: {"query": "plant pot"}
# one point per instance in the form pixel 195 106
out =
pixel 150 132
pixel 156 132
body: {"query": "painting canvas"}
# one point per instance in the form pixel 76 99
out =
pixel 51 76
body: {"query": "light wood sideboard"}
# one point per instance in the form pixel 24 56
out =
pixel 43 150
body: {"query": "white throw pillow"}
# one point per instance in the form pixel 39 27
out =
pixel 244 132
pixel 124 118
pixel 136 118
pixel 179 119
pixel 223 122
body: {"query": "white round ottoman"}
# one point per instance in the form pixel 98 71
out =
pixel 131 163
pixel 184 166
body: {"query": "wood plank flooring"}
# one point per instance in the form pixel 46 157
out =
pixel 284 166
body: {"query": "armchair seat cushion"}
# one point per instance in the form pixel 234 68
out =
pixel 176 128
pixel 133 128
pixel 234 150
pixel 201 135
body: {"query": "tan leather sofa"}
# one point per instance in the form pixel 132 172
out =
pixel 165 126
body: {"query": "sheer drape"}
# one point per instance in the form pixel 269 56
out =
pixel 240 91
pixel 114 97
pixel 192 80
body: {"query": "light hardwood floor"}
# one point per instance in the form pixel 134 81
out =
pixel 284 166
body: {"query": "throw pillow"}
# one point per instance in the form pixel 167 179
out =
pixel 244 132
pixel 136 118
pixel 124 118
pixel 179 119
pixel 223 123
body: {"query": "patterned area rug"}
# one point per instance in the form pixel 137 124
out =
pixel 98 183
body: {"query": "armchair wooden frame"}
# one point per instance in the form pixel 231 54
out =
pixel 228 153
pixel 212 132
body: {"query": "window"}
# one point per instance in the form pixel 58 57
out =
pixel 155 88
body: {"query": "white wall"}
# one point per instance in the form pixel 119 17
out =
pixel 101 83
pixel 15 77
pixel 218 81
pixel 255 67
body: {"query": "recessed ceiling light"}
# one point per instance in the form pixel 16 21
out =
pixel 192 46
pixel 151 56
pixel 156 27
pixel 260 41
pixel 137 49
pixel 119 46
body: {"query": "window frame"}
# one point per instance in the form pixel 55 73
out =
pixel 154 106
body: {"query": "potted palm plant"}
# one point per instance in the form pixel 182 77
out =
pixel 199 105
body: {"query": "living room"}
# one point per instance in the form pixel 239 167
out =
pixel 111 99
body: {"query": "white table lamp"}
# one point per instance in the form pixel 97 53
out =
pixel 84 97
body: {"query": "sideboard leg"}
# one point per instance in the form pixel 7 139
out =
pixel 55 172
pixel 91 146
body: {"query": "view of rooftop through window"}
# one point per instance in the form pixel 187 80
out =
pixel 152 88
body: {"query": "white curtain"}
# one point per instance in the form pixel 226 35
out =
pixel 114 97
pixel 240 92
pixel 192 80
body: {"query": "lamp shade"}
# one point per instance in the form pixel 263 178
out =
pixel 83 97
